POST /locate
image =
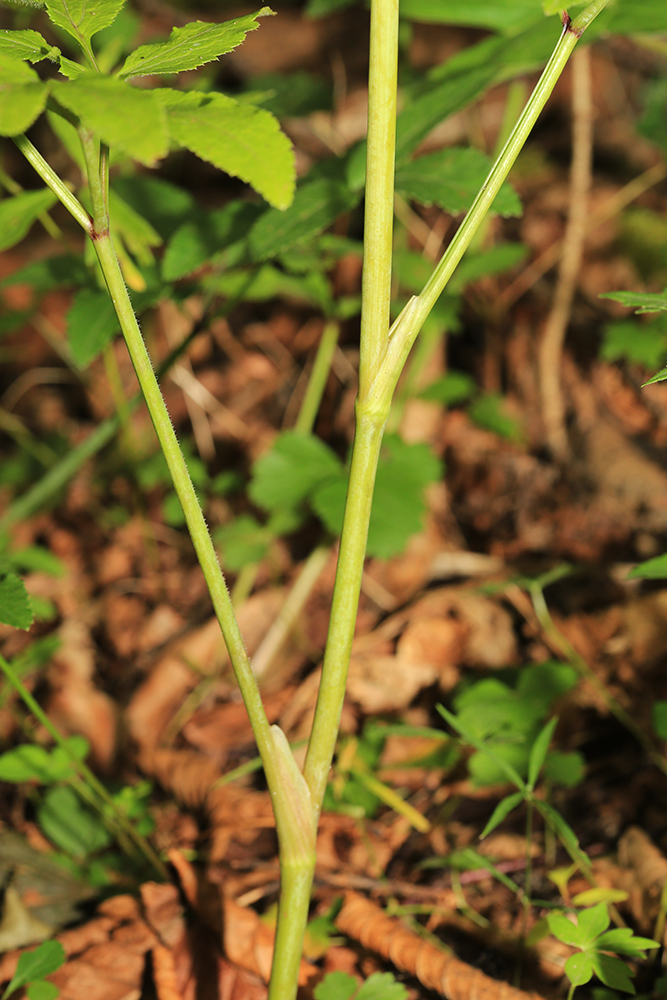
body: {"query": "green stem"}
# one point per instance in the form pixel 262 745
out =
pixel 51 179
pixel 365 455
pixel 82 769
pixel 318 378
pixel 379 204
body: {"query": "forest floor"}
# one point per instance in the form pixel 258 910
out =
pixel 140 669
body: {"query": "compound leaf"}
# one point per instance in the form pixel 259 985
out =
pixel 240 139
pixel 17 214
pixel 22 95
pixel 81 18
pixel 381 986
pixel 592 922
pixel 579 968
pixel 124 117
pixel 566 931
pixel 336 986
pixel 189 47
pixel 612 971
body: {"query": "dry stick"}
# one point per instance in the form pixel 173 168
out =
pixel 611 208
pixel 435 969
pixel 551 347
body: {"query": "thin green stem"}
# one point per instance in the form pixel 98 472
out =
pixel 365 455
pixel 318 378
pixel 379 207
pixel 82 769
pixel 51 179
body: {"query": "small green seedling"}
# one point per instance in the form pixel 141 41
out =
pixel 378 986
pixel 598 948
pixel 32 969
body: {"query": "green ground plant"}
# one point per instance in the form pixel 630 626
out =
pixel 32 969
pixel 102 119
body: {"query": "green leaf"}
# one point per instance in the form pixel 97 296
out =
pixel 579 968
pixel 270 282
pixel 506 16
pixel 639 343
pixel 454 387
pixel 197 240
pixel 36 559
pixel 18 213
pixel 564 929
pixel 566 769
pixel 125 117
pixel 240 139
pixel 502 810
pixel 27 44
pixel 37 964
pixel 166 206
pixel 643 302
pixel 651 569
pixel 81 18
pixel 22 96
pixel 242 542
pixel 612 971
pixel 70 825
pixel 381 986
pixel 489 411
pixel 42 990
pixel 538 752
pixel 135 231
pixel 287 474
pixel 510 773
pixel 317 204
pixel 659 716
pixel 15 607
pixel 593 922
pixel 623 941
pixel 336 986
pixel 31 762
pixel 450 179
pixel 600 894
pixel 562 829
pixel 189 47
pixel 91 325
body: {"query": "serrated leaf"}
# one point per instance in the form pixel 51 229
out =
pixel 538 752
pixel 642 302
pixel 242 140
pixel 189 47
pixel 32 965
pixel 81 18
pixel 286 475
pixel 564 929
pixel 381 986
pixel 317 204
pixel 612 971
pixel 123 116
pixel 17 214
pixel 579 968
pixel 15 607
pixel 336 986
pixel 22 96
pixel 502 810
pixel 27 44
pixel 450 179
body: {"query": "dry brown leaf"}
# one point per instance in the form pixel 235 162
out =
pixel 164 974
pixel 435 969
pixel 385 684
